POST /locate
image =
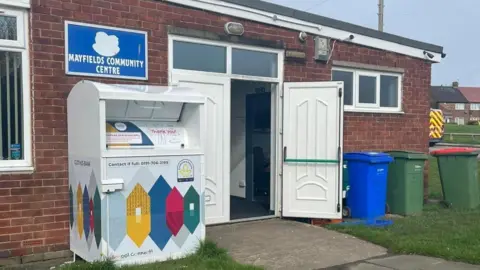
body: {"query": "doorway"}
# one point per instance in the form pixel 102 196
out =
pixel 251 149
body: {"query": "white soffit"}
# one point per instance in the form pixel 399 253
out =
pixel 239 11
pixel 15 3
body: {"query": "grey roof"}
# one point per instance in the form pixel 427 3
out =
pixel 446 94
pixel 324 21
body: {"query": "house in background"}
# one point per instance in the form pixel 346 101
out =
pixel 452 103
pixel 472 109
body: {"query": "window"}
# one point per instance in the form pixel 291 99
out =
pixel 201 57
pixel 254 63
pixel 347 78
pixel 389 91
pixel 475 106
pixel 225 59
pixel 370 91
pixel 15 149
pixel 459 106
pixel 367 90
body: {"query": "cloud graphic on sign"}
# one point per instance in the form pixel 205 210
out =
pixel 106 45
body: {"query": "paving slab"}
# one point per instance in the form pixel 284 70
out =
pixel 282 244
pixel 413 262
pixel 366 266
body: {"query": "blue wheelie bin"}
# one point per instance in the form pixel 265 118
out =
pixel 368 173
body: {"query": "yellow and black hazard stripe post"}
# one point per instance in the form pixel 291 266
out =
pixel 436 124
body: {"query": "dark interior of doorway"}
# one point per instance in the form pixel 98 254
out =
pixel 251 140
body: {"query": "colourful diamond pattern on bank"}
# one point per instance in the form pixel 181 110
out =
pixel 162 213
pixel 86 212
pixel 138 215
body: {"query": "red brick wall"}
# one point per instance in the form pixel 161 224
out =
pixel 449 110
pixel 34 207
pixel 472 115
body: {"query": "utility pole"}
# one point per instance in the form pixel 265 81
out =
pixel 381 6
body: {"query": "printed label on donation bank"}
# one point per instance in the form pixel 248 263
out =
pixel 124 138
pixel 138 162
pixel 185 171
pixel 102 51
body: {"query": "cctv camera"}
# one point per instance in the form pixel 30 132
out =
pixel 349 38
pixel 429 55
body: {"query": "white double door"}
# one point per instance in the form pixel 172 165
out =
pixel 312 137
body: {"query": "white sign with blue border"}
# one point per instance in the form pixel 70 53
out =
pixel 102 51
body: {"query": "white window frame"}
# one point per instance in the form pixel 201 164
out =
pixel 21 38
pixel 377 90
pixel 229 47
pixel 459 106
pixel 475 106
pixel 21 45
pixel 370 107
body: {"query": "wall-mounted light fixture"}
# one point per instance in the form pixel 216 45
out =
pixel 235 29
pixel 302 36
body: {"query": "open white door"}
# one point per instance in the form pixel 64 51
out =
pixel 312 140
pixel 217 149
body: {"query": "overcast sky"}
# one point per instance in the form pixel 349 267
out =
pixel 447 23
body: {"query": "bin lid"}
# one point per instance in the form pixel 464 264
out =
pixel 407 155
pixel 371 157
pixel 456 151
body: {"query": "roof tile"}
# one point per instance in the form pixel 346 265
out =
pixel 472 94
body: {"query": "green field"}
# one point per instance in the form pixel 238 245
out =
pixel 462 139
pixel 438 232
pixel 454 128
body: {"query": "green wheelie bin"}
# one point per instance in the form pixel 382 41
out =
pixel 459 176
pixel 405 183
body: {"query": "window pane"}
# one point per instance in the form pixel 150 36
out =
pixel 388 91
pixel 347 78
pixel 367 89
pixel 459 106
pixel 8 28
pixel 254 63
pixel 11 106
pixel 201 57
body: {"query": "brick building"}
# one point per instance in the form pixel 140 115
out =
pixel 451 101
pixel 459 105
pixel 472 108
pixel 386 87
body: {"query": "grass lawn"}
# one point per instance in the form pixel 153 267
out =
pixel 434 185
pixel 453 128
pixel 208 256
pixel 438 232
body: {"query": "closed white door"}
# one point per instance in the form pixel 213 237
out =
pixel 312 139
pixel 217 148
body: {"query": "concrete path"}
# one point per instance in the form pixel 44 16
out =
pixel 407 262
pixel 281 244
